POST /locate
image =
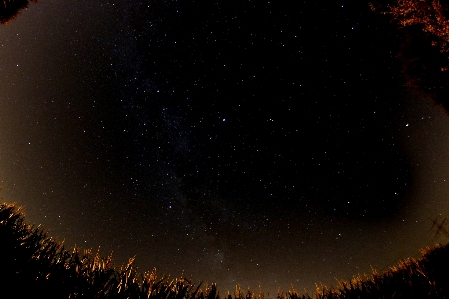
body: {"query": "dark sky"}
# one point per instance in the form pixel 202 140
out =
pixel 240 141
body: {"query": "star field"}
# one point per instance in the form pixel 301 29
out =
pixel 249 142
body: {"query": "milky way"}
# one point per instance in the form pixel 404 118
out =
pixel 242 142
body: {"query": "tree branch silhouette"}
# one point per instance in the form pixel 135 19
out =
pixel 10 9
pixel 424 51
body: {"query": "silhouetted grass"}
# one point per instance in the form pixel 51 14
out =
pixel 36 266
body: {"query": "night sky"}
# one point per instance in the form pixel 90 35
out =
pixel 256 142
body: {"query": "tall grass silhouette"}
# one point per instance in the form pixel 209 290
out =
pixel 36 266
